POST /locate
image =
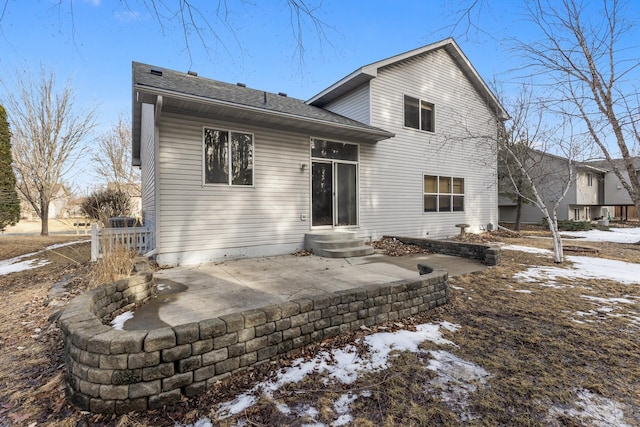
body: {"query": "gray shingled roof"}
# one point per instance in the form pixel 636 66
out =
pixel 207 89
pixel 604 164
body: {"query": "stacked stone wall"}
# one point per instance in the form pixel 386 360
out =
pixel 486 254
pixel 113 371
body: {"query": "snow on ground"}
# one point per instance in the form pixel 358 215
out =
pixel 593 410
pixel 586 268
pixel 455 378
pixel 20 263
pixel 527 249
pixel 118 321
pixel 346 364
pixel 615 235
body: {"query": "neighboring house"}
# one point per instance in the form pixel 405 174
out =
pixel 403 146
pixel 614 193
pixel 58 206
pixel 595 192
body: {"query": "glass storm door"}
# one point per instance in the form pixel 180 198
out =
pixel 322 193
pixel 346 194
pixel 334 183
pixel 335 194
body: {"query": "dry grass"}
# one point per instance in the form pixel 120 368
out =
pixel 537 354
pixel 116 263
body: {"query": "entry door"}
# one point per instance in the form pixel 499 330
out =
pixel 334 193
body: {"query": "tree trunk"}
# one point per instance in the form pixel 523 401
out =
pixel 44 217
pixel 558 256
pixel 516 226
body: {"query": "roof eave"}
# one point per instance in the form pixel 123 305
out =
pixel 344 85
pixel 373 134
pixel 371 71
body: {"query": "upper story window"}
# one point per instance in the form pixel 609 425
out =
pixel 590 179
pixel 443 194
pixel 419 114
pixel 228 157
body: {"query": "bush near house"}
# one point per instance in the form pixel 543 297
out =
pixel 104 204
pixel 569 225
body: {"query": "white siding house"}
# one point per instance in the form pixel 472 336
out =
pixel 402 146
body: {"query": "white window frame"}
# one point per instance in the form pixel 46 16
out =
pixel 420 102
pixel 229 182
pixel 589 179
pixel 438 194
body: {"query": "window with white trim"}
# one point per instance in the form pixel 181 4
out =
pixel 419 114
pixel 590 179
pixel 443 194
pixel 228 157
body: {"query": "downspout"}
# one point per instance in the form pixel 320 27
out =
pixel 156 174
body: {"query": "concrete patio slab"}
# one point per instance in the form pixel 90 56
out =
pixel 192 294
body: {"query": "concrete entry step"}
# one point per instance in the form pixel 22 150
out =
pixel 339 244
pixel 350 252
pixel 336 244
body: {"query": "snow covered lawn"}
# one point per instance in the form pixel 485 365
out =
pixel 29 261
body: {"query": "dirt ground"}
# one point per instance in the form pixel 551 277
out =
pixel 524 334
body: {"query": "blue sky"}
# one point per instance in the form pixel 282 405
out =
pixel 94 41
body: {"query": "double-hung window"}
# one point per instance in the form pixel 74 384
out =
pixel 443 194
pixel 228 157
pixel 419 114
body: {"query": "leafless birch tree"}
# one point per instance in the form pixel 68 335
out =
pixel 538 157
pixel 589 56
pixel 47 128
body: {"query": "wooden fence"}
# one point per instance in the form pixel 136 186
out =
pixel 139 239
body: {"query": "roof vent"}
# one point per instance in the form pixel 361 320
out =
pixel 241 84
pixel 282 94
pixel 156 72
pixel 192 73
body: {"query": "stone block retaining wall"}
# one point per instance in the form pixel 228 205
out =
pixel 487 254
pixel 111 371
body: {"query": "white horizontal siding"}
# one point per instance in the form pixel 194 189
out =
pixel 354 104
pixel 392 170
pixel 201 223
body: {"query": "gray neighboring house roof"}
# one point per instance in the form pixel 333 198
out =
pixel 368 72
pixel 187 93
pixel 604 164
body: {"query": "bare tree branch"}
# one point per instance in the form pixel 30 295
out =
pixel 205 23
pixel 112 158
pixel 47 129
pixel 582 55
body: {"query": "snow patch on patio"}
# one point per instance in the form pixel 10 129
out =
pixel 119 321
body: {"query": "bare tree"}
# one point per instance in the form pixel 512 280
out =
pixel 592 74
pixel 516 140
pixel 47 129
pixel 112 157
pixel 537 161
pixel 207 22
